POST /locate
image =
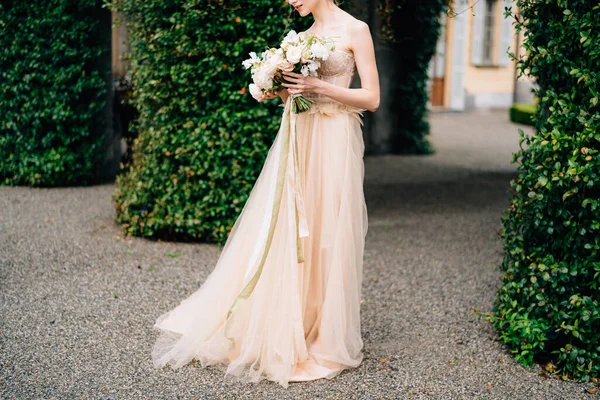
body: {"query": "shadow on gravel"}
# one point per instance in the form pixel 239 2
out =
pixel 476 191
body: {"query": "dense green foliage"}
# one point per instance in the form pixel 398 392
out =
pixel 411 29
pixel 202 139
pixel 522 113
pixel 51 92
pixel 548 308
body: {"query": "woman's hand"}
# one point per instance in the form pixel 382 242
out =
pixel 273 95
pixel 267 96
pixel 301 84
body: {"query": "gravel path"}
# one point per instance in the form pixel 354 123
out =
pixel 78 300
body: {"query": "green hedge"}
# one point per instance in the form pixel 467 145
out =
pixel 51 92
pixel 411 29
pixel 202 138
pixel 522 113
pixel 548 308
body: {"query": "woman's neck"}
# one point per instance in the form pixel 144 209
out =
pixel 326 11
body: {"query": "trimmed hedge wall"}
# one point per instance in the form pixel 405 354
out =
pixel 202 139
pixel 412 29
pixel 548 308
pixel 522 113
pixel 51 93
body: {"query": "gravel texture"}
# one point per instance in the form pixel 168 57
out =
pixel 78 300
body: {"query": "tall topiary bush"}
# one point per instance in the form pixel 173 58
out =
pixel 202 139
pixel 51 92
pixel 548 308
pixel 411 29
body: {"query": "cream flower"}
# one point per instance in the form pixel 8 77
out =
pixel 313 65
pixel 304 70
pixel 252 61
pixel 263 79
pixel 319 51
pixel 293 54
pixel 291 38
pixel 255 91
pixel 285 65
pixel 272 64
pixel 306 56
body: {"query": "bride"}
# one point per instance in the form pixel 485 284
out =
pixel 283 300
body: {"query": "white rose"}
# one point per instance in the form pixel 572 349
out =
pixel 305 71
pixel 284 65
pixel 255 91
pixel 258 77
pixel 313 65
pixel 253 60
pixel 272 64
pixel 247 63
pixel 319 51
pixel 291 37
pixel 306 56
pixel 293 54
pixel 263 78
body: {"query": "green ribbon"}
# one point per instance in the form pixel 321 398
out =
pixel 288 135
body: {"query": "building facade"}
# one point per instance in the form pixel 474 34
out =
pixel 471 68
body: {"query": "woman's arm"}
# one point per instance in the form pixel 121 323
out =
pixel 367 96
pixel 283 93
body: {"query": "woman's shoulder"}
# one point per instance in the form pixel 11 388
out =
pixel 357 26
pixel 357 31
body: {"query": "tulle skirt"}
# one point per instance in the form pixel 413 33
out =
pixel 283 301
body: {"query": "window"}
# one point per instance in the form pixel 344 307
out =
pixel 491 34
pixel 489 30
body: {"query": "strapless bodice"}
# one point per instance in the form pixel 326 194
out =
pixel 338 63
pixel 338 69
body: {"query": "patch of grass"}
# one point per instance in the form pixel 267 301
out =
pixel 522 113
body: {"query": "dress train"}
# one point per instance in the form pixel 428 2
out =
pixel 283 301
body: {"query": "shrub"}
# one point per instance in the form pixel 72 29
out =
pixel 51 92
pixel 411 29
pixel 548 307
pixel 522 113
pixel 202 139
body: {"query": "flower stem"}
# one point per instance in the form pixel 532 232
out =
pixel 300 104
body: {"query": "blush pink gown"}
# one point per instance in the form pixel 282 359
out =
pixel 283 301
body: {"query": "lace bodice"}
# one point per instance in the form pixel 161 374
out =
pixel 339 63
pixel 338 69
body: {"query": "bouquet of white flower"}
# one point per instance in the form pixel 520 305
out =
pixel 299 53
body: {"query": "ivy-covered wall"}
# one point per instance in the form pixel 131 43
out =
pixel 409 31
pixel 202 139
pixel 548 308
pixel 53 92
